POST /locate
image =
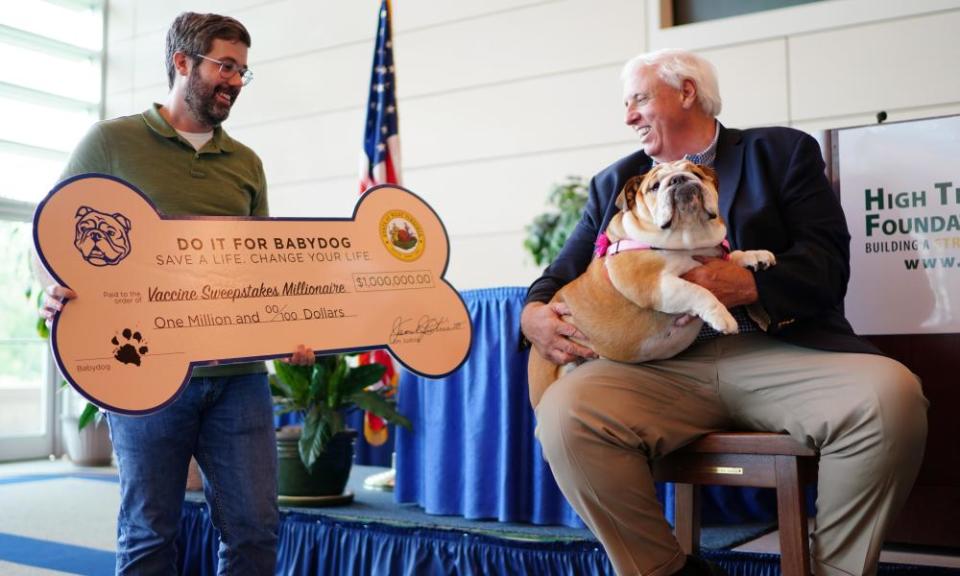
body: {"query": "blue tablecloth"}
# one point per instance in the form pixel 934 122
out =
pixel 472 451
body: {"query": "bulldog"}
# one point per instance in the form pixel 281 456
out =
pixel 627 301
pixel 103 239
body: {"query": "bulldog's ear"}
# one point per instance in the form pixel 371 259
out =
pixel 627 198
pixel 709 177
pixel 83 211
pixel 710 174
pixel 123 220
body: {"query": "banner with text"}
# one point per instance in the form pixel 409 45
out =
pixel 900 190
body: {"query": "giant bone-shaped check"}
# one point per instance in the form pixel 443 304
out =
pixel 157 295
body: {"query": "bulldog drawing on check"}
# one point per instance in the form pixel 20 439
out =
pixel 103 239
pixel 628 300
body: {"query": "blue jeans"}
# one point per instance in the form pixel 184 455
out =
pixel 227 424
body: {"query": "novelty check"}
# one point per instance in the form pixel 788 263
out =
pixel 158 295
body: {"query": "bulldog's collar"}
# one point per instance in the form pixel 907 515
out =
pixel 604 247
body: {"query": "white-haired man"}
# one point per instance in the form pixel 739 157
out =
pixel 796 366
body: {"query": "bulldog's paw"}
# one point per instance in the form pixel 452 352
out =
pixel 722 321
pixel 131 348
pixel 753 259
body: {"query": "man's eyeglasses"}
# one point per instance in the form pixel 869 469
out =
pixel 228 69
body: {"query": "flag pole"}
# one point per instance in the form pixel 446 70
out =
pixel 380 164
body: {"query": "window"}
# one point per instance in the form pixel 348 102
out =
pixel 51 55
pixel 50 89
pixel 23 356
pixel 692 11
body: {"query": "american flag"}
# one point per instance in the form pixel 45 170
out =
pixel 380 164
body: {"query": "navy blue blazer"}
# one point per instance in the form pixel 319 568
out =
pixel 774 196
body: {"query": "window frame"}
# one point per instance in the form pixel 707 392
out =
pixel 777 23
pixel 15 210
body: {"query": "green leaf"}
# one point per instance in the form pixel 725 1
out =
pixel 318 383
pixel 335 382
pixel 310 436
pixel 319 427
pixel 88 415
pixel 376 404
pixel 361 377
pixel 297 380
pixel 42 330
pixel 330 361
pixel 279 389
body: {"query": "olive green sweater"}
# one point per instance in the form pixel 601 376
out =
pixel 224 178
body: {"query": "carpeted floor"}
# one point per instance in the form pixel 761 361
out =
pixel 58 519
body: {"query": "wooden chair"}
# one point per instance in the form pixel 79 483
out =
pixel 757 459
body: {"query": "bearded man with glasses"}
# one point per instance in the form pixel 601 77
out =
pixel 179 156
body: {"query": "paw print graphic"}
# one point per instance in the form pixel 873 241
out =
pixel 131 348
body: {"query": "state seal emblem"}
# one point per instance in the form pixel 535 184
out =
pixel 402 235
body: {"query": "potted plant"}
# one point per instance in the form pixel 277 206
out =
pixel 315 458
pixel 86 436
pixel 549 231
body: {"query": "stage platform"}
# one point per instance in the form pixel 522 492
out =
pixel 374 535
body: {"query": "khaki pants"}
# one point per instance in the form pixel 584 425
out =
pixel 601 424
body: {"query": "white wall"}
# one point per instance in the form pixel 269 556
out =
pixel 501 98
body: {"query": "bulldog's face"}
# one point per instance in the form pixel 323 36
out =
pixel 102 238
pixel 679 198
